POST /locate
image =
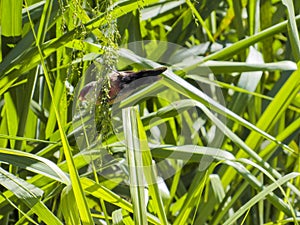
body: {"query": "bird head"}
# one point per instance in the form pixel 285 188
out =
pixel 119 80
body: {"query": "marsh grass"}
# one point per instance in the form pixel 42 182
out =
pixel 196 148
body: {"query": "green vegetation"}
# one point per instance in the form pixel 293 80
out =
pixel 215 141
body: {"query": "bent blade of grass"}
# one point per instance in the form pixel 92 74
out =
pixel 191 153
pixel 240 143
pixel 260 196
pixel 196 153
pixel 270 116
pixel 256 184
pixel 99 191
pixel 25 216
pixel 277 107
pixel 181 86
pixel 236 89
pixel 284 134
pixel 33 163
pixel 243 145
pixel 186 104
pixel 249 162
pixel 243 44
pixel 30 195
pixel 231 67
pixel 178 84
pixel 84 211
pixel 30 58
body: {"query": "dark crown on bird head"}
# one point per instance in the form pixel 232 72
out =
pixel 118 81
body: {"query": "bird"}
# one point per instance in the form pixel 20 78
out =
pixel 119 80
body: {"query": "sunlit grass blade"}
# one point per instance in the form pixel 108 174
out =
pixel 275 109
pixel 120 217
pixel 99 191
pixel 68 206
pixel 242 44
pixel 239 142
pixel 33 163
pixel 84 211
pixel 214 194
pixel 292 29
pixel 28 194
pixel 181 86
pixel 196 13
pixel 287 132
pixel 135 164
pixel 209 137
pixel 261 195
pixel 232 67
pixel 149 169
pixel 193 195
